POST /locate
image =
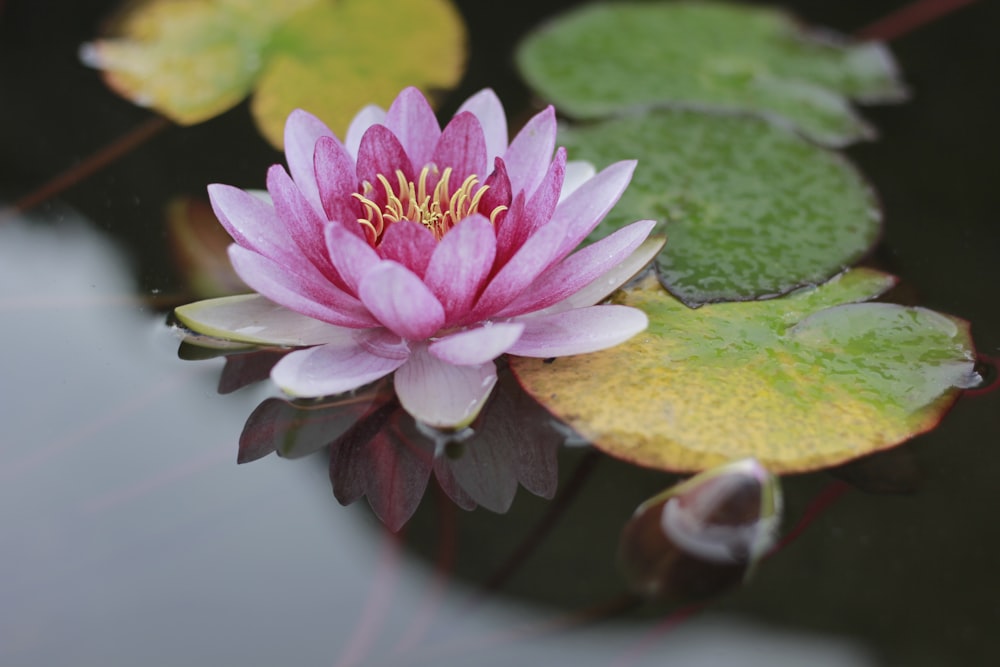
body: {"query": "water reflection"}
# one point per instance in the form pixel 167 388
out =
pixel 379 452
pixel 131 538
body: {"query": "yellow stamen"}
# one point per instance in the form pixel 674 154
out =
pixel 438 211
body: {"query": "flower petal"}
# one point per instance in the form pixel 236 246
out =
pixel 409 243
pixel 252 222
pixel 589 203
pixel 350 254
pixel 330 369
pixel 338 180
pixel 517 274
pixel 510 226
pixel 498 191
pixel 478 345
pixel 440 394
pixel 578 172
pixel 301 222
pixel 364 119
pixel 380 153
pixel 250 318
pixel 486 106
pixel 578 331
pixel 302 131
pixel 462 147
pixel 401 301
pixel 598 289
pixel 383 343
pixel 530 153
pixel 579 269
pixel 310 295
pixel 460 264
pixel 412 120
pixel 542 203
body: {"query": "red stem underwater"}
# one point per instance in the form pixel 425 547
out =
pixel 89 166
pixel 909 18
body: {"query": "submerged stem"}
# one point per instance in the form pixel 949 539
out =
pixel 909 18
pixel 89 166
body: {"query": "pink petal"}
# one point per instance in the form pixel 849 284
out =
pixel 383 343
pixel 302 131
pixel 498 191
pixel 381 153
pixel 330 369
pixel 516 275
pixel 350 254
pixel 365 118
pixel 579 269
pixel 309 295
pixel 412 120
pixel 486 106
pixel 578 331
pixel 251 222
pixel 338 180
pixel 599 288
pixel 583 209
pixel 409 243
pixel 542 203
pixel 460 265
pixel 301 221
pixel 511 229
pixel 440 394
pixel 530 153
pixel 462 147
pixel 478 345
pixel 401 301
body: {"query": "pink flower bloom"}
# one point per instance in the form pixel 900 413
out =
pixel 425 252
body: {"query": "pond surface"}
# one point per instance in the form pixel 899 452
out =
pixel 132 537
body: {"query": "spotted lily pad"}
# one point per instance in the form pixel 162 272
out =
pixel 603 59
pixel 806 381
pixel 750 210
pixel 192 60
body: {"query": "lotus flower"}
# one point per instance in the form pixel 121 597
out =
pixel 424 252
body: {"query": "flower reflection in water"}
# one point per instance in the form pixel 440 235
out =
pixel 379 451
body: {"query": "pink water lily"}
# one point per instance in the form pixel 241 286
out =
pixel 424 252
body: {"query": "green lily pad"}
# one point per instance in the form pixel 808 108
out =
pixel 749 210
pixel 603 59
pixel 192 60
pixel 806 381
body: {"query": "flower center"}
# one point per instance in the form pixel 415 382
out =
pixel 438 210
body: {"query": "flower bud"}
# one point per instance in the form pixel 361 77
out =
pixel 704 535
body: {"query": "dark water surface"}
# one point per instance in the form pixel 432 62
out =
pixel 131 537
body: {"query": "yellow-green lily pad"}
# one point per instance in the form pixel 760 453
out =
pixel 750 210
pixel 603 59
pixel 802 382
pixel 193 59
